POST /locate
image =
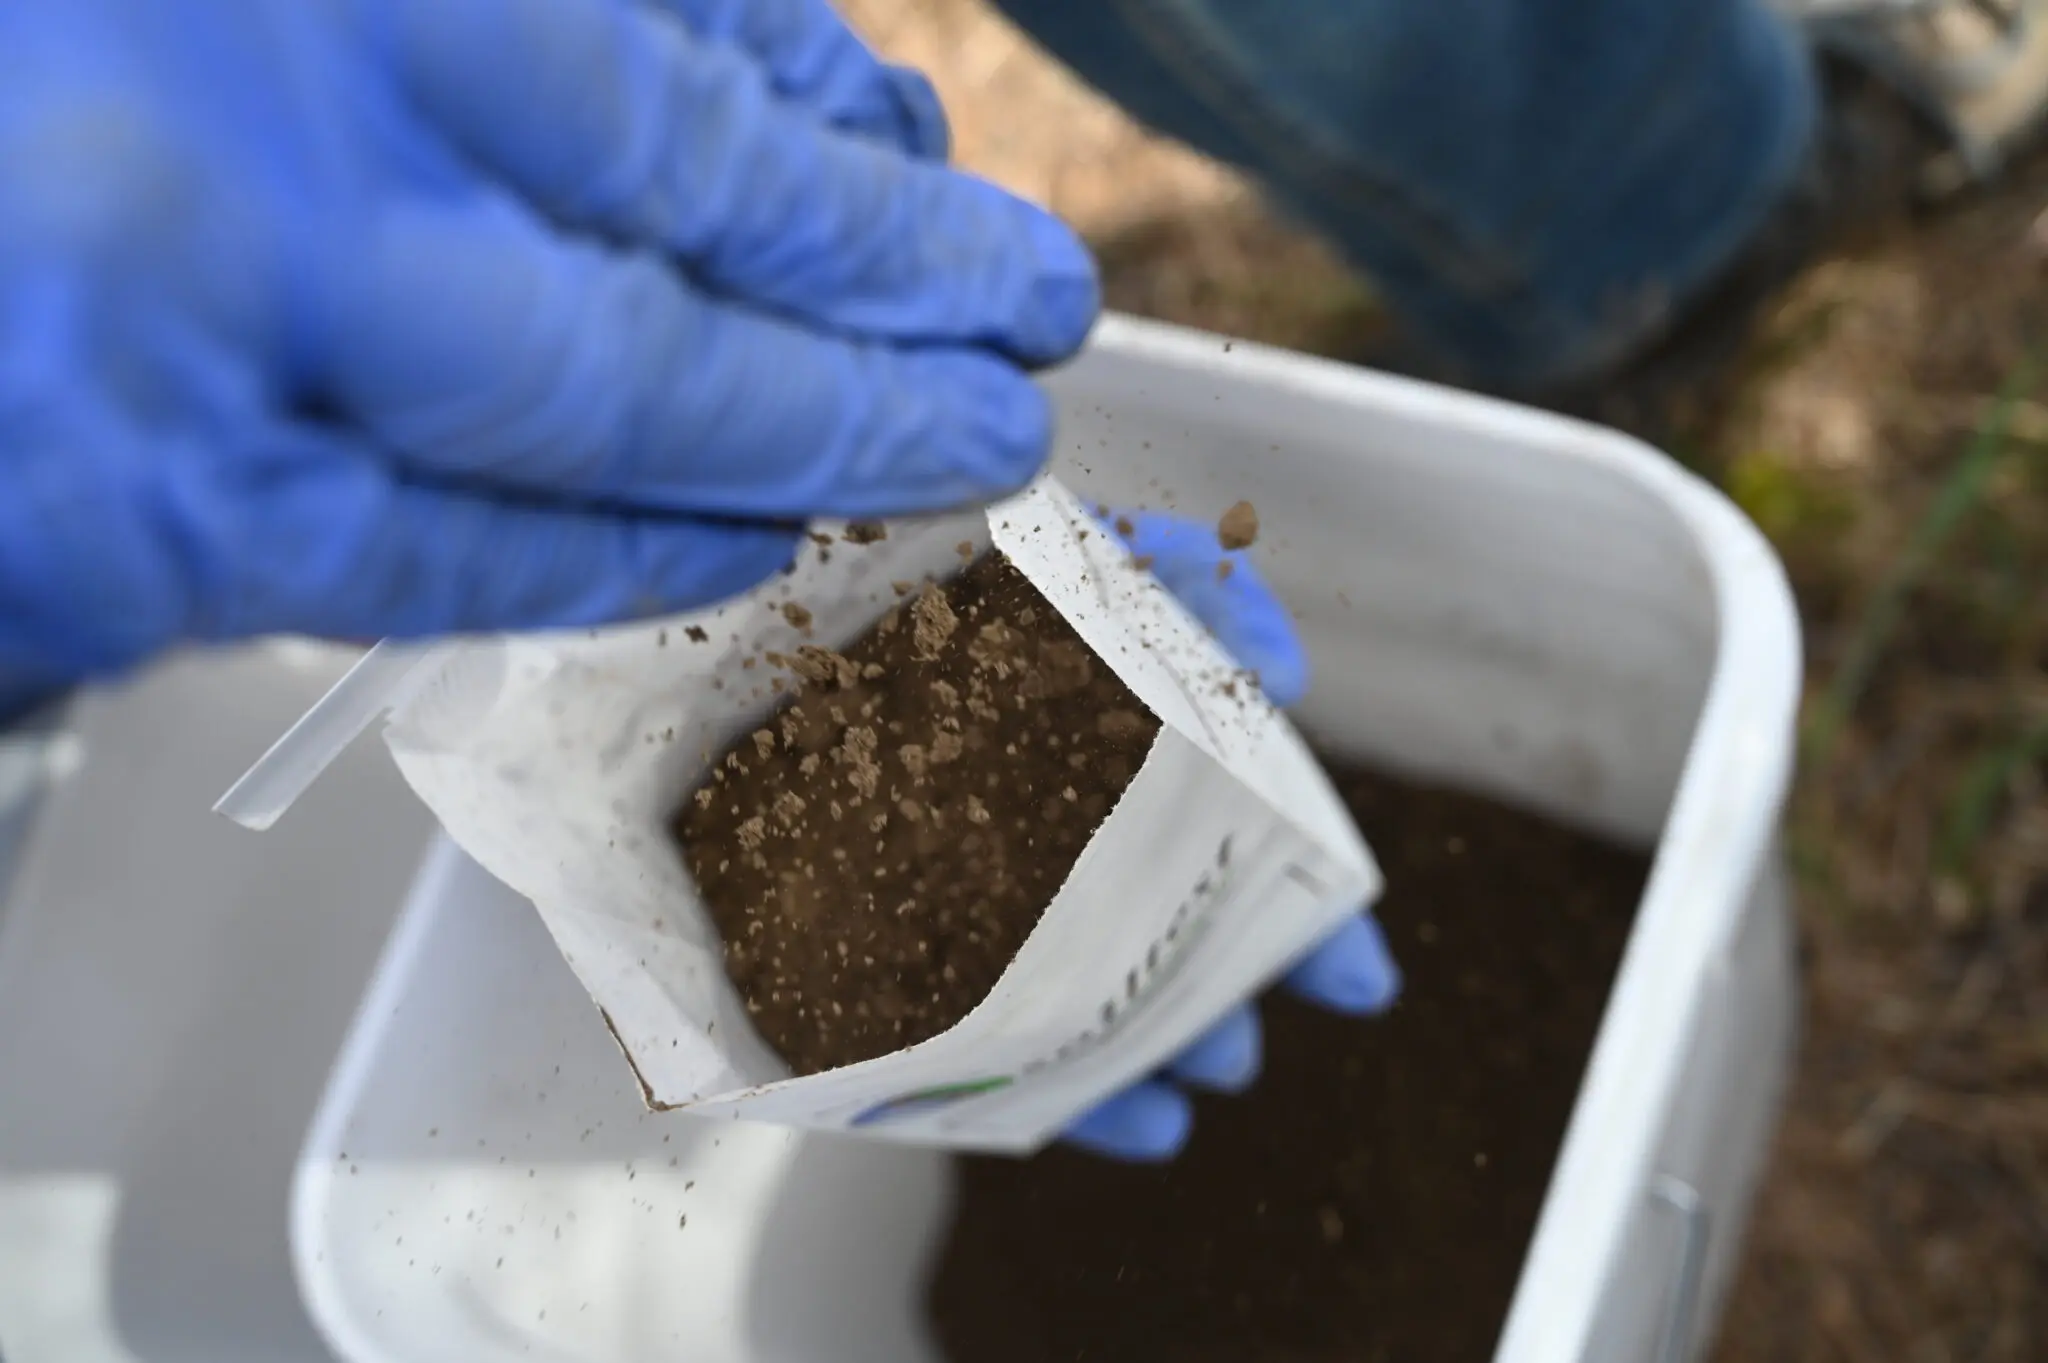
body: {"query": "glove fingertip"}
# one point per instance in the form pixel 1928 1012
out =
pixel 1014 418
pixel 1226 1058
pixel 1352 971
pixel 1283 670
pixel 920 115
pixel 996 425
pixel 1147 1123
pixel 1247 617
pixel 1065 296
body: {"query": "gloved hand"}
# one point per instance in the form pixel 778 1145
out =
pixel 1350 972
pixel 368 317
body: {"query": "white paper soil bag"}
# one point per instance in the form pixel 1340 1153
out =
pixel 558 763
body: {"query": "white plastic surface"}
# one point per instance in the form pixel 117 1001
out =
pixel 172 994
pixel 485 1183
pixel 1518 604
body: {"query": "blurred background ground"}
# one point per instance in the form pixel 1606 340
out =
pixel 1891 436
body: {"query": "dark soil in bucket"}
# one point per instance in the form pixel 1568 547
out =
pixel 877 852
pixel 1373 1197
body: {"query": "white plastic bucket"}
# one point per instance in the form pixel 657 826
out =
pixel 1516 604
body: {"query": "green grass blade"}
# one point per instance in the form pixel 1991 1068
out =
pixel 1960 493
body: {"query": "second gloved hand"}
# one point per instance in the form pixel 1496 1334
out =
pixel 1351 971
pixel 368 317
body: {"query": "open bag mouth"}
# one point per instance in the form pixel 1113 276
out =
pixel 819 950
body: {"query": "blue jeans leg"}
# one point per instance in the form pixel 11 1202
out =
pixel 1533 185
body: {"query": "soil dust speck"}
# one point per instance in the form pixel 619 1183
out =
pixel 1239 526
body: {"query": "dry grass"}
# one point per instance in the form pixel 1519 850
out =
pixel 1892 438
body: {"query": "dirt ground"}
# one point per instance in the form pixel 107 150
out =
pixel 1891 436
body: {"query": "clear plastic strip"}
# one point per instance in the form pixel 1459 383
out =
pixel 385 676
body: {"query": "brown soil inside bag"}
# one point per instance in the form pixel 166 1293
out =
pixel 875 855
pixel 1373 1196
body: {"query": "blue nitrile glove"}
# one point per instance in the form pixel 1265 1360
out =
pixel 368 317
pixel 1351 971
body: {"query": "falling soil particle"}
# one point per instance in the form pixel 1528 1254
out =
pixel 866 532
pixel 1374 1196
pixel 1239 527
pixel 1224 570
pixel 797 615
pixel 874 855
pixel 696 634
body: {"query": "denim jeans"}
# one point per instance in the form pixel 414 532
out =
pixel 1532 185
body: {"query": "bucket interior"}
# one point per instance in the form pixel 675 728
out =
pixel 1483 604
pixel 1374 1195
